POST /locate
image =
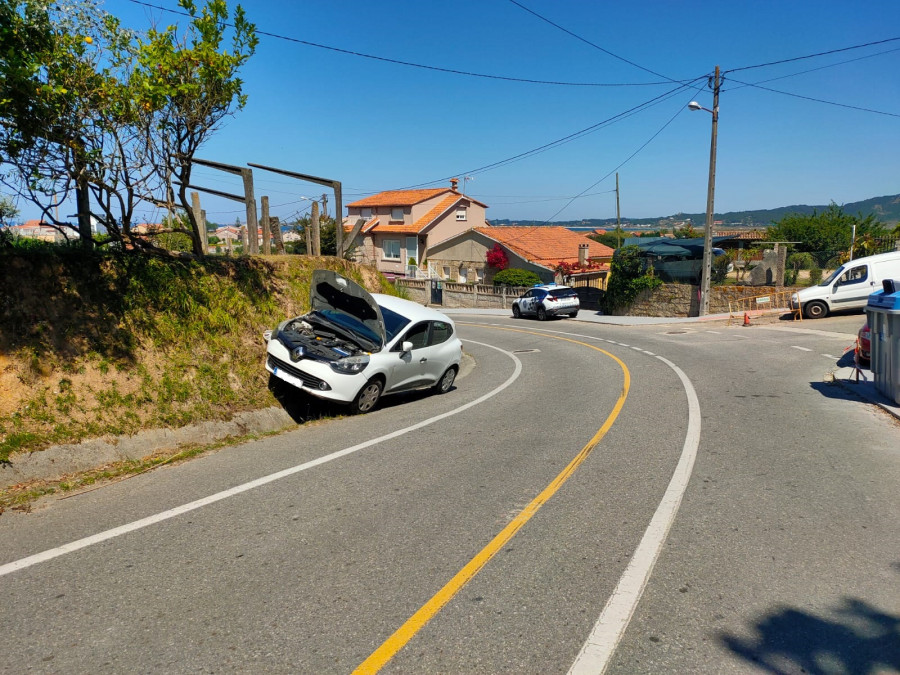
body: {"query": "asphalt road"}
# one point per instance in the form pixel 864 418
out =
pixel 503 529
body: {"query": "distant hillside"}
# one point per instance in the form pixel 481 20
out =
pixel 886 210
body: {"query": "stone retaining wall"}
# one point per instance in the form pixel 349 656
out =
pixel 683 300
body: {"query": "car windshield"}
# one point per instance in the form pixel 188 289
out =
pixel 563 293
pixel 834 275
pixel 393 322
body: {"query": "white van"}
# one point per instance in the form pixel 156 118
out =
pixel 849 286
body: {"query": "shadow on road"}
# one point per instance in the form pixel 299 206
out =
pixel 857 640
pixel 305 408
pixel 301 406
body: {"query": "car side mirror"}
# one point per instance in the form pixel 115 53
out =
pixel 407 346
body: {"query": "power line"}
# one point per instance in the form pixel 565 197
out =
pixel 812 56
pixel 630 157
pixel 588 42
pixel 812 70
pixel 563 140
pixel 818 100
pixel 399 62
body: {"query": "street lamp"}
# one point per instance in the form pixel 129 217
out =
pixel 710 197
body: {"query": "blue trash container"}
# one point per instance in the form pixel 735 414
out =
pixel 883 311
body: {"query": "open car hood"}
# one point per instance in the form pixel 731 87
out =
pixel 334 296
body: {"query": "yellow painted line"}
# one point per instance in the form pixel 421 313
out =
pixel 417 621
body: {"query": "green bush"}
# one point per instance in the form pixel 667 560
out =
pixel 815 276
pixel 626 279
pixel 515 277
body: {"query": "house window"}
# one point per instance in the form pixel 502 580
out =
pixel 396 213
pixel 461 213
pixel 365 213
pixel 412 253
pixel 479 275
pixel 462 274
pixel 390 249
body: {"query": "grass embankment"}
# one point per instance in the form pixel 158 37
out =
pixel 94 345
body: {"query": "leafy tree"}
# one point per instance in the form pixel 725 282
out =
pixel 326 234
pixel 8 210
pixel 516 277
pixel 829 230
pixel 686 232
pixel 627 278
pixel 609 239
pixel 91 108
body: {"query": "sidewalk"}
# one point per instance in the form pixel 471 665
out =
pixel 864 387
pixel 843 377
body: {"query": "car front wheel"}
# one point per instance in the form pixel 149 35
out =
pixel 443 385
pixel 815 310
pixel 367 397
pixel 517 313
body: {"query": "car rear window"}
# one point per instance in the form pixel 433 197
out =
pixel 563 293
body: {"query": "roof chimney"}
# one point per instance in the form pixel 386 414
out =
pixel 582 255
pixel 454 183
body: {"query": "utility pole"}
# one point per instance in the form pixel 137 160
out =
pixel 618 215
pixel 710 202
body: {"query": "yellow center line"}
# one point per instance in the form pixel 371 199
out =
pixel 417 621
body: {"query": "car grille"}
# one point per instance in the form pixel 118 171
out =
pixel 308 380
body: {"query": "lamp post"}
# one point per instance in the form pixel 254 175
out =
pixel 710 197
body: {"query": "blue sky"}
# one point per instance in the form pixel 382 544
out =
pixel 376 125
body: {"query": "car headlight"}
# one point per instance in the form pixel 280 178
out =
pixel 794 299
pixel 351 365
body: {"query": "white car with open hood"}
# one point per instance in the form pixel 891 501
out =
pixel 353 346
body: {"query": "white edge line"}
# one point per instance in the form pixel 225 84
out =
pixel 597 651
pixel 802 349
pixel 73 546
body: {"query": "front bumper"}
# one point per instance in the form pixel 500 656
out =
pixel 313 377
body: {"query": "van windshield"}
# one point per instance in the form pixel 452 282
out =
pixel 834 275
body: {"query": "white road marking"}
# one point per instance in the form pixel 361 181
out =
pixel 714 332
pixel 71 547
pixel 802 349
pixel 610 627
pixel 604 638
pixel 833 358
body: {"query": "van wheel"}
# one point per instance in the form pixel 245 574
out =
pixel 367 397
pixel 815 310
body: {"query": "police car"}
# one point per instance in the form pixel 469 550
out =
pixel 546 300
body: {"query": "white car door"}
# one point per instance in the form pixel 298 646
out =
pixel 409 371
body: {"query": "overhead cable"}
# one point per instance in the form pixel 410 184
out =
pixel 812 56
pixel 588 42
pixel 452 71
pixel 817 100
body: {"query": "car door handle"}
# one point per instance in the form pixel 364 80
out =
pixel 422 360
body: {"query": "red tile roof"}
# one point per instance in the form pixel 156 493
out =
pixel 399 197
pixel 545 245
pixel 389 227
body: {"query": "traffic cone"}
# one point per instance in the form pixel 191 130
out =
pixel 746 319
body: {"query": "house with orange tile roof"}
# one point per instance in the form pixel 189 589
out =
pixel 540 249
pixel 397 228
